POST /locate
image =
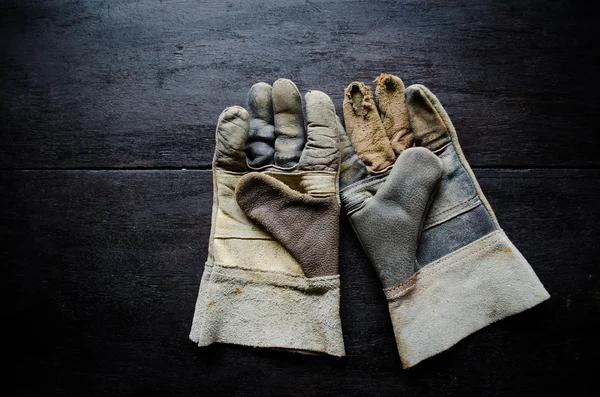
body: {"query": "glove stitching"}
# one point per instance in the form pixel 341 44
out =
pixel 430 270
pixel 299 276
pixel 435 220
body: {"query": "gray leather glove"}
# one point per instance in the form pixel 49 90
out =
pixel 271 277
pixel 446 266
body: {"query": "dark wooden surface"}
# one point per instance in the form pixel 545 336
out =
pixel 107 116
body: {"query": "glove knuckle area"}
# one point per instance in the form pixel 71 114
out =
pixel 315 183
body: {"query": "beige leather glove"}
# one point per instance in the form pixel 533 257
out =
pixel 271 277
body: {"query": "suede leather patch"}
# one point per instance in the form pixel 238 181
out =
pixel 390 222
pixel 365 129
pixel 394 116
pixel 460 293
pixel 379 129
pixel 306 226
pixel 267 309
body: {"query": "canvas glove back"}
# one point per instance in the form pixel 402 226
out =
pixel 271 277
pixel 446 266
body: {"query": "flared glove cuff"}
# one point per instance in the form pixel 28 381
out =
pixel 460 293
pixel 268 309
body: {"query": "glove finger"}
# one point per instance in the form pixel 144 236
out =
pixel 306 226
pixel 365 129
pixel 261 140
pixel 232 130
pixel 322 150
pixel 290 136
pixel 429 127
pixel 352 169
pixel 394 116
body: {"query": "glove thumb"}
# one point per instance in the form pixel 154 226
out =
pixel 307 226
pixel 389 225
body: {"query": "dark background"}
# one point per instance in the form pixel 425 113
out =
pixel 107 117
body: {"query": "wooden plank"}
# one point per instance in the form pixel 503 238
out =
pixel 102 270
pixel 140 83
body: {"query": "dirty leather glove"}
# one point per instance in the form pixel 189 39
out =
pixel 446 266
pixel 271 278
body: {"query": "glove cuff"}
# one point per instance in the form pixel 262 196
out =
pixel 459 294
pixel 268 309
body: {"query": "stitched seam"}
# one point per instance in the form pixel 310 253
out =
pixel 362 185
pixel 279 280
pixel 403 285
pixel 458 149
pixel 266 238
pixel 450 207
pixel 357 206
pixel 231 173
pixel 364 182
pixel 348 204
pixel 444 263
pixel 462 206
pixel 443 148
pixel 299 276
pixel 360 190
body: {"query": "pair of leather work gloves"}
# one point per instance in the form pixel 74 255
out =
pixel 280 174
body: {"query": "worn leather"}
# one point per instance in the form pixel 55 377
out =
pixel 268 309
pixel 306 226
pixel 230 139
pixel 446 266
pixel 365 128
pixel 394 115
pixel 271 277
pixel 261 136
pixel 389 223
pixel 480 283
pixel 428 128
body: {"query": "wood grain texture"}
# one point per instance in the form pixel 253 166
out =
pixel 102 270
pixel 103 236
pixel 140 83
